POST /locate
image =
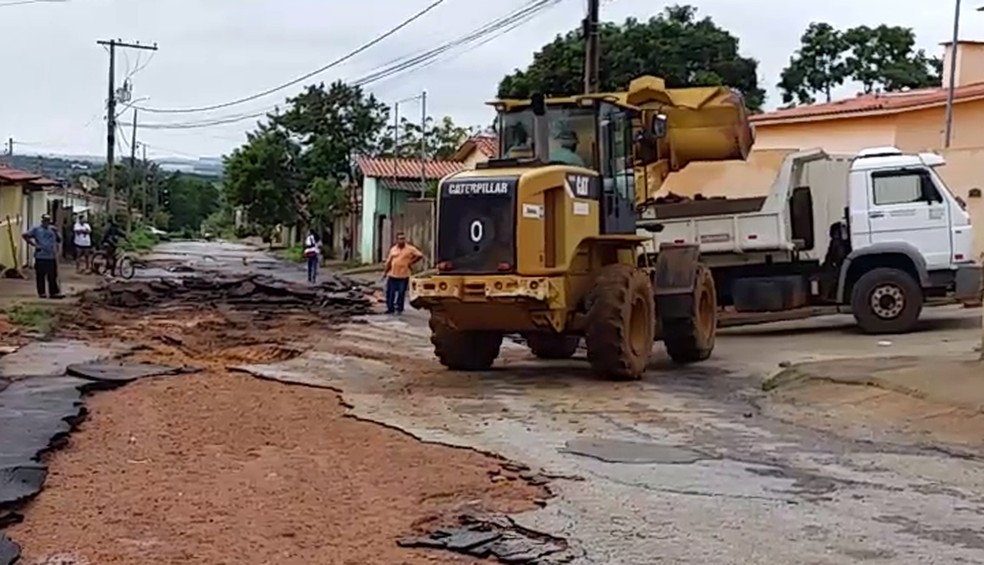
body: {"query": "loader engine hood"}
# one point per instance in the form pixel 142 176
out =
pixel 476 225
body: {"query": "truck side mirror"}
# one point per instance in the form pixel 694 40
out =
pixel 659 126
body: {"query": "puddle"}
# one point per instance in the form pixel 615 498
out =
pixel 632 452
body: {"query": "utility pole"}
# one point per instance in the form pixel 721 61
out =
pixel 423 144
pixel 112 44
pixel 10 147
pixel 592 55
pixel 143 180
pixel 133 173
pixel 948 135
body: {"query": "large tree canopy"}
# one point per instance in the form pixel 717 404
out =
pixel 675 45
pixel 880 58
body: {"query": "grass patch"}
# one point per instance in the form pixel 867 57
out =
pixel 294 253
pixel 33 317
pixel 140 240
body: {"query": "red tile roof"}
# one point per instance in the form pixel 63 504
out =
pixel 385 167
pixel 16 175
pixel 487 144
pixel 869 104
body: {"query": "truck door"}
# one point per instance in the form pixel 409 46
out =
pixel 906 206
pixel 618 209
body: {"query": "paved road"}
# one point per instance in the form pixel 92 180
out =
pixel 680 467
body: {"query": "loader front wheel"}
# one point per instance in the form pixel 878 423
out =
pixel 552 346
pixel 620 328
pixel 464 350
pixel 690 326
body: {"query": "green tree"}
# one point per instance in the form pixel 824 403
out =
pixel 289 169
pixel 191 199
pixel 817 67
pixel 676 45
pixel 880 58
pixel 886 58
pixel 441 140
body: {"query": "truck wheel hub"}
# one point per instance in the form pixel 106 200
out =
pixel 887 301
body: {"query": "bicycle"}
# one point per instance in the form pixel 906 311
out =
pixel 125 264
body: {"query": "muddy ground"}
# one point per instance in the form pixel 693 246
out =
pixel 694 465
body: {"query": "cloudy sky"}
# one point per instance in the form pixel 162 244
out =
pixel 213 51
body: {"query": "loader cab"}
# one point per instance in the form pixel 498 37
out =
pixel 589 132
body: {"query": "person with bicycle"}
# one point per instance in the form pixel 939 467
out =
pixel 110 244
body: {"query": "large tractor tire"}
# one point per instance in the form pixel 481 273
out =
pixel 464 350
pixel 620 323
pixel 690 327
pixel 552 346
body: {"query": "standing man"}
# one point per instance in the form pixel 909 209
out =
pixel 312 252
pixel 83 244
pixel 45 239
pixel 402 256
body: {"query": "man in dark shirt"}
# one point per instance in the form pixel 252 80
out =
pixel 111 242
pixel 45 239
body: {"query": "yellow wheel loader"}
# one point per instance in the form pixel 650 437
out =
pixel 543 241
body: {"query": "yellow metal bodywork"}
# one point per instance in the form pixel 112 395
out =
pixel 558 255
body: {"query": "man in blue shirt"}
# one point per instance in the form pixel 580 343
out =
pixel 45 239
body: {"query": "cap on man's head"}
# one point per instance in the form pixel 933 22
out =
pixel 45 218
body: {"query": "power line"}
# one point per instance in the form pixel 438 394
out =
pixel 22 2
pixel 304 77
pixel 472 40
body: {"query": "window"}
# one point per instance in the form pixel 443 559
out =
pixel 572 134
pixel 903 188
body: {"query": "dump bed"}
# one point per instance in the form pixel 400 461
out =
pixel 744 225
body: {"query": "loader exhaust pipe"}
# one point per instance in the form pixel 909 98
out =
pixel 541 128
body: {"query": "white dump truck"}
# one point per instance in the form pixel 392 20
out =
pixel 878 235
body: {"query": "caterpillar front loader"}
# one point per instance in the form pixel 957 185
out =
pixel 543 241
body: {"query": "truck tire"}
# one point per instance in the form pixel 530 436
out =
pixel 464 350
pixel 886 301
pixel 620 322
pixel 552 346
pixel 690 338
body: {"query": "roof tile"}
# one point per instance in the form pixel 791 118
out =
pixel 16 175
pixel 868 103
pixel 386 167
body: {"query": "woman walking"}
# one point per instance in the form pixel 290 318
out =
pixel 312 252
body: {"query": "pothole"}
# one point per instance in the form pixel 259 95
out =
pixel 260 353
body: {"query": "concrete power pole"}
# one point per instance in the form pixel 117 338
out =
pixel 592 54
pixel 951 86
pixel 10 147
pixel 133 173
pixel 112 45
pixel 423 144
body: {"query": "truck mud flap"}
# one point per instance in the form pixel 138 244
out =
pixel 676 270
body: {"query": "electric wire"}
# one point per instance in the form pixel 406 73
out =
pixel 472 40
pixel 306 76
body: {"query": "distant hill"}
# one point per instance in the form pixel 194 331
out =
pixel 58 167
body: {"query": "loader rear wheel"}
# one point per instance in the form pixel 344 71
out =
pixel 464 350
pixel 552 346
pixel 620 328
pixel 689 332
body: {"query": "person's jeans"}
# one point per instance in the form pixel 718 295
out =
pixel 312 268
pixel 46 275
pixel 396 294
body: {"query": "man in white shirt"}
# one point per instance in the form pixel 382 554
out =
pixel 83 244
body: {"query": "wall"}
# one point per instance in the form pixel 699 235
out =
pixel 474 158
pixel 366 233
pixel 922 130
pixel 843 135
pixel 417 222
pixel 11 208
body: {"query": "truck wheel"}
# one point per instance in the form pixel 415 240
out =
pixel 552 346
pixel 464 350
pixel 689 332
pixel 620 328
pixel 886 301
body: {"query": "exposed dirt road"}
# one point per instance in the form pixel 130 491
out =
pixel 217 467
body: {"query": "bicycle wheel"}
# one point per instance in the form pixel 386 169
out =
pixel 126 268
pixel 100 263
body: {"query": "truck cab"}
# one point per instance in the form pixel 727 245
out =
pixel 878 234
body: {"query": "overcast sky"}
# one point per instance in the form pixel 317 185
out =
pixel 212 51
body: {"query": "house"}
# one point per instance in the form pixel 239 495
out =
pixel 22 203
pixel 383 201
pixel 912 120
pixel 477 149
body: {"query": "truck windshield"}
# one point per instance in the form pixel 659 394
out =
pixel 572 135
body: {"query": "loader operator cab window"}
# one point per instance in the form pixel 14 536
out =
pixel 616 167
pixel 572 135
